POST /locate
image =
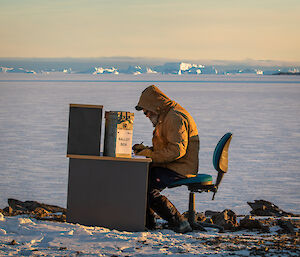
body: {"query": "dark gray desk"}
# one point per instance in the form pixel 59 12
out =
pixel 108 191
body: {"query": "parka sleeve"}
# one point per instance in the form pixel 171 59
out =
pixel 175 132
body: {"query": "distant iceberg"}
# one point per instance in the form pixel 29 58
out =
pixel 16 70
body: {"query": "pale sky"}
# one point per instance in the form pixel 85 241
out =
pixel 180 29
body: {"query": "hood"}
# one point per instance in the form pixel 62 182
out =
pixel 154 100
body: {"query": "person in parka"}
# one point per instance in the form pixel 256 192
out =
pixel 174 153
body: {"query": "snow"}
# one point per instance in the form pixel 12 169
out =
pixel 45 238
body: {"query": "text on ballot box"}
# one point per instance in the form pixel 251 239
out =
pixel 118 134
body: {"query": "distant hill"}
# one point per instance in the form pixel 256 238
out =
pixel 287 73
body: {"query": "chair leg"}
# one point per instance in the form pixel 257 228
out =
pixel 192 217
pixel 191 214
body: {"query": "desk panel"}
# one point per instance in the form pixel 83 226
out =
pixel 108 193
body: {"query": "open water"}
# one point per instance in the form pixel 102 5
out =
pixel 263 113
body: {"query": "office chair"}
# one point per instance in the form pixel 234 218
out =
pixel 203 182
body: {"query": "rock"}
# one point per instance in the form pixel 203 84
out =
pixel 226 219
pixel 30 206
pixel 36 210
pixel 199 217
pixel 296 223
pixel 286 226
pixel 250 223
pixel 53 217
pixel 13 242
pixel 265 208
pixel 3 213
pixel 210 213
pixel 269 222
pixel 40 212
pixel 8 211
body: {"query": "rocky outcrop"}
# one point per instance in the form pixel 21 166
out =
pixel 35 209
pixel 286 227
pixel 199 217
pixel 252 224
pixel 265 208
pixel 32 205
pixel 226 219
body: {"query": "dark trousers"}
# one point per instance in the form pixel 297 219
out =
pixel 159 179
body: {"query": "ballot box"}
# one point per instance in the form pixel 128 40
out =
pixel 118 134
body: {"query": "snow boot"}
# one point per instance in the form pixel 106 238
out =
pixel 165 209
pixel 150 219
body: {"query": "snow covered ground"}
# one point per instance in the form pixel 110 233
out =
pixel 261 111
pixel 24 236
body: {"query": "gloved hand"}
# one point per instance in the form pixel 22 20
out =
pixel 145 152
pixel 138 147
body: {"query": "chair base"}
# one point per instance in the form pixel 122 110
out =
pixel 192 217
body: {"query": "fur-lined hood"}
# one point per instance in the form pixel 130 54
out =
pixel 154 100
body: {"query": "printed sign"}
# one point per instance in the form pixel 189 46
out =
pixel 124 141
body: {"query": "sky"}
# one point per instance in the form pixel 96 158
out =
pixel 190 29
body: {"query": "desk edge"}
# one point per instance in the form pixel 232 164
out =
pixel 108 158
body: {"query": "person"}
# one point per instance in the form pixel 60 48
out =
pixel 174 154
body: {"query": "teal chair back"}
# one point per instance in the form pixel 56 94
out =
pixel 220 158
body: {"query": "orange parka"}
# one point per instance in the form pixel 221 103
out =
pixel 175 137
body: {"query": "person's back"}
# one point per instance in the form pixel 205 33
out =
pixel 177 122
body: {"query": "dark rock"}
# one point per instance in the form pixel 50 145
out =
pixel 210 213
pixel 3 212
pixel 287 73
pixel 13 242
pixel 53 217
pixel 269 222
pixel 8 211
pixel 250 223
pixel 226 219
pixel 40 212
pixel 286 226
pixel 199 217
pixel 265 208
pixel 30 206
pixel 296 223
pixel 36 210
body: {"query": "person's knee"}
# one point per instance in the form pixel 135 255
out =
pixel 153 194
